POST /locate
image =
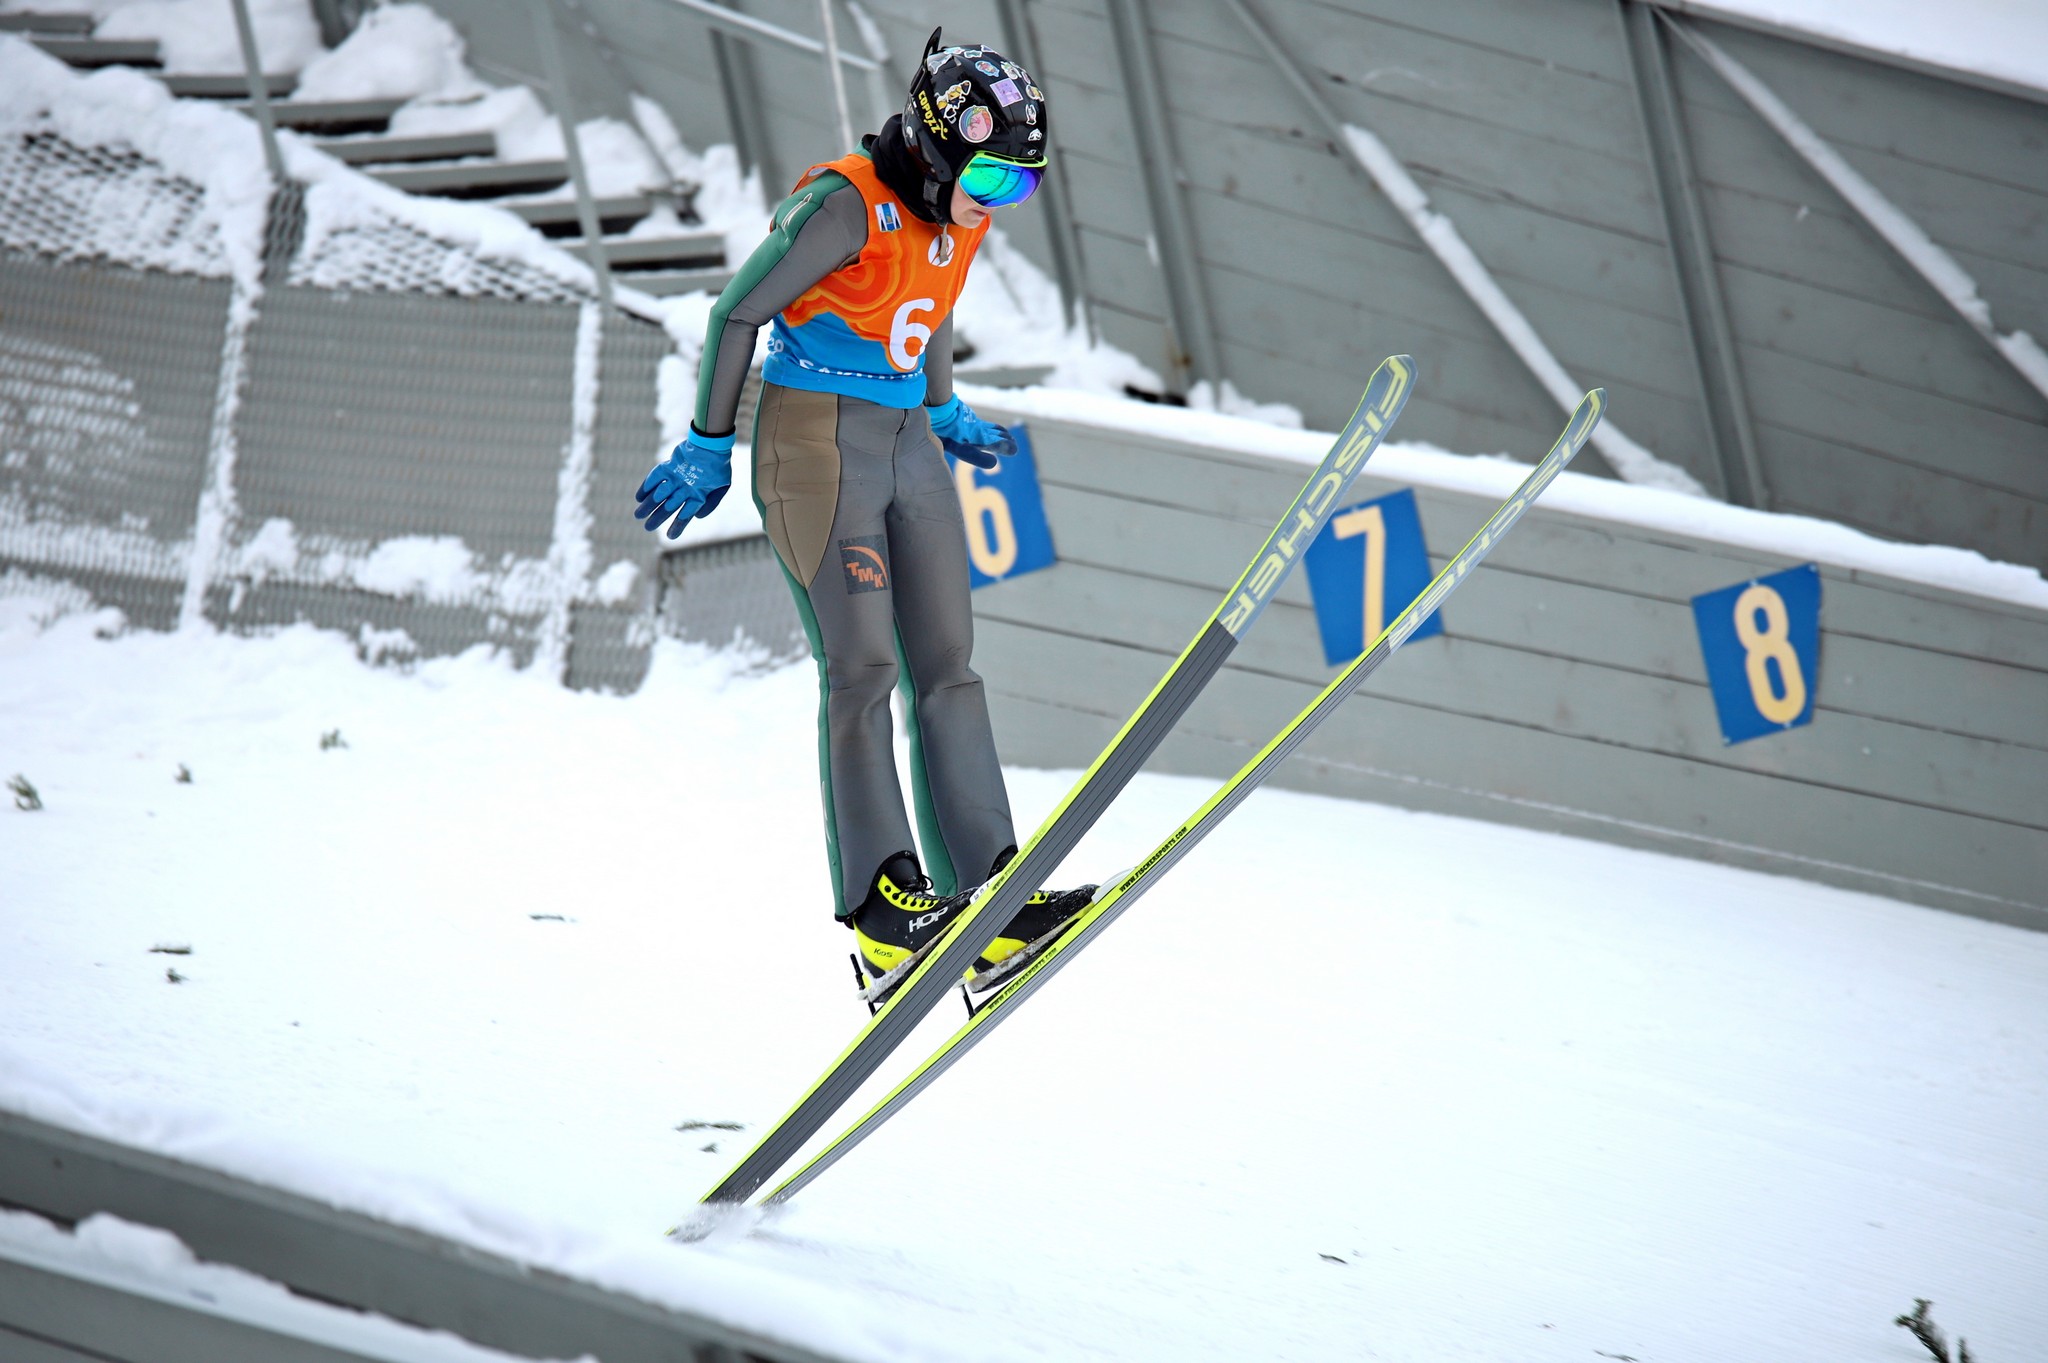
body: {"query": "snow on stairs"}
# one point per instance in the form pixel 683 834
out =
pixel 450 165
pixel 668 265
pixel 88 53
pixel 656 265
pixel 491 179
pixel 68 37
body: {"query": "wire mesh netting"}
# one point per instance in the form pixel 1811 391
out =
pixel 412 422
pixel 733 596
pixel 63 201
pixel 350 245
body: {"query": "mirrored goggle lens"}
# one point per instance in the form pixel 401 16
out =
pixel 993 183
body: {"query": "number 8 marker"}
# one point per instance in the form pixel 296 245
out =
pixel 1772 643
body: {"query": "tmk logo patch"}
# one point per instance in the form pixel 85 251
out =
pixel 886 217
pixel 865 562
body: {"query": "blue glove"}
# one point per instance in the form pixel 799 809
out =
pixel 967 436
pixel 691 482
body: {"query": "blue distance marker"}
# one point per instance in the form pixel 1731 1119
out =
pixel 1368 563
pixel 1007 533
pixel 1761 642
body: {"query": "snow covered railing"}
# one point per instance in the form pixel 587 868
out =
pixel 145 1288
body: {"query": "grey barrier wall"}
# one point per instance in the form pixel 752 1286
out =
pixel 1866 397
pixel 1568 691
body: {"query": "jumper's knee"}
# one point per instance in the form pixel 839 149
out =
pixel 867 681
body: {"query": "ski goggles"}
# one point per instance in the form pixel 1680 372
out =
pixel 993 182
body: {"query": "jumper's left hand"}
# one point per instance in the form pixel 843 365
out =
pixel 966 436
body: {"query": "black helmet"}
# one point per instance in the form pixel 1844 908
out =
pixel 970 100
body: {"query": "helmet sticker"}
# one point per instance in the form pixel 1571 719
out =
pixel 937 60
pixel 1007 92
pixel 1033 135
pixel 931 117
pixel 987 68
pixel 952 99
pixel 977 123
pixel 1031 114
pixel 1034 91
pixel 1013 71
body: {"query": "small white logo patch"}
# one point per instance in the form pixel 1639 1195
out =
pixel 886 217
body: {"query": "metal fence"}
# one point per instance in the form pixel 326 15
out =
pixel 388 432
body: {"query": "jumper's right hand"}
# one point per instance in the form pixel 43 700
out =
pixel 689 483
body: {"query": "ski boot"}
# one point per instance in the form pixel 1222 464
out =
pixel 1033 929
pixel 902 915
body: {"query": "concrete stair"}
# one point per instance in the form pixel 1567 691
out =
pixel 230 85
pixel 699 250
pixel 559 218
pixel 476 179
pixel 335 117
pixel 89 53
pixel 77 25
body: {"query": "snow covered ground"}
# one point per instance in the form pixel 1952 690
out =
pixel 1356 1083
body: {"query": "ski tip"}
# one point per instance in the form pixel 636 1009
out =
pixel 1591 409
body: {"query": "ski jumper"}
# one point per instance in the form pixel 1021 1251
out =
pixel 855 495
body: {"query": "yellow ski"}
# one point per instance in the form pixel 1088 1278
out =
pixel 995 903
pixel 1126 891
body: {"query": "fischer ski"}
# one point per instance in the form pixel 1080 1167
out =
pixel 1011 985
pixel 997 901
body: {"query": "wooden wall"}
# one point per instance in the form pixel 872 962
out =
pixel 1873 404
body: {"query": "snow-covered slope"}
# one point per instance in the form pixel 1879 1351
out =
pixel 1356 1083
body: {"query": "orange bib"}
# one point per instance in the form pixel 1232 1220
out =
pixel 894 295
